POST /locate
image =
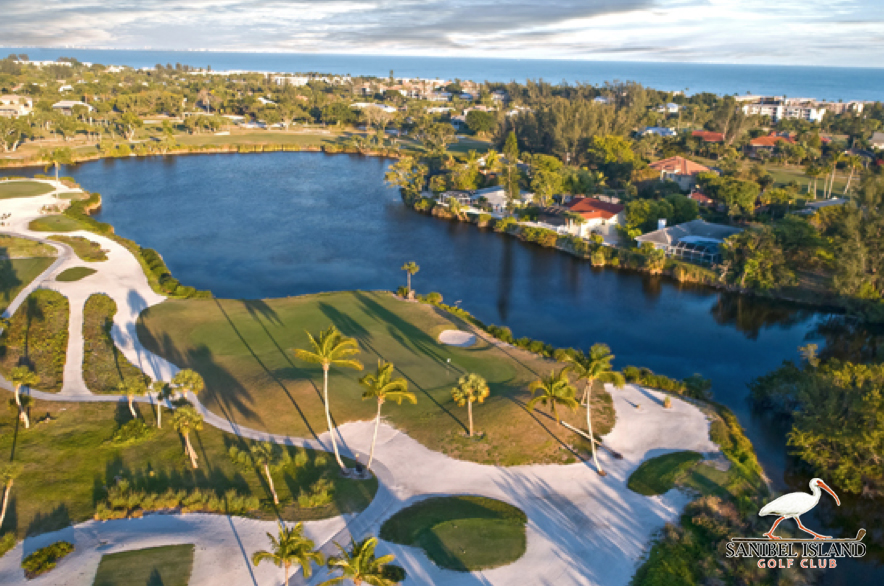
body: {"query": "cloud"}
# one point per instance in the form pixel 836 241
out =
pixel 752 31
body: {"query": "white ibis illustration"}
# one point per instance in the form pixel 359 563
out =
pixel 795 504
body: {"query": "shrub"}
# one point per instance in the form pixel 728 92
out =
pixel 321 493
pixel 46 558
pixel 425 204
pixel 7 542
pixel 667 402
pixel 598 258
pixel 434 298
pixel 132 432
pixel 505 224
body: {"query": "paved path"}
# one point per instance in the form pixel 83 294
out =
pixel 582 530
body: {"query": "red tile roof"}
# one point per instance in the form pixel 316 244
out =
pixel 591 208
pixel 679 166
pixel 708 136
pixel 700 198
pixel 769 141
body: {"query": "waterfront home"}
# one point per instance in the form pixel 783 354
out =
pixel 66 107
pixel 464 198
pixel 494 198
pixel 599 216
pixel 680 170
pixel 696 241
pixel 708 136
pixel 13 106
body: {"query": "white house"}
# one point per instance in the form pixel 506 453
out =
pixel 658 130
pixel 66 107
pixel 877 140
pixel 13 106
pixel 670 108
pixel 265 101
pixel 495 197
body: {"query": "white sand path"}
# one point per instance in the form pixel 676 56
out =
pixel 582 529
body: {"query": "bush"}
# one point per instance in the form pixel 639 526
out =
pixel 321 493
pixel 425 204
pixel 132 432
pixel 434 298
pixel 46 558
pixel 7 542
pixel 123 502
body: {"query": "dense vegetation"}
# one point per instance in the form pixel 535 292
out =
pixel 37 336
pixel 104 366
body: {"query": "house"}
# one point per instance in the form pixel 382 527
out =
pixel 459 122
pixel 768 143
pixel 66 107
pixel 466 96
pixel 499 96
pixel 696 241
pixel 877 140
pixel 680 170
pixel 670 108
pixel 701 199
pixel 13 106
pixel 599 216
pixel 708 136
pixel 492 197
pixel 66 88
pixel 266 102
pixel 658 130
pixel 601 100
pixel 464 198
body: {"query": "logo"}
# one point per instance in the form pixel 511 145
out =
pixel 818 551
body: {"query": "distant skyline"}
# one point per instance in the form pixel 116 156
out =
pixel 833 33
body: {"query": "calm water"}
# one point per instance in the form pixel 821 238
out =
pixel 830 83
pixel 270 225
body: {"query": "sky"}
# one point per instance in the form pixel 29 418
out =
pixel 831 32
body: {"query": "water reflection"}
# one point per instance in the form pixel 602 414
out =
pixel 750 317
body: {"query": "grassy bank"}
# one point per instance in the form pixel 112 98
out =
pixel 169 565
pixel 12 247
pixel 84 248
pixel 70 459
pixel 244 351
pixel 17 274
pixel 11 189
pixel 104 366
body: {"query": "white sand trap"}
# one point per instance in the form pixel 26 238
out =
pixel 457 338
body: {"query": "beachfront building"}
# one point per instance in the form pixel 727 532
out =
pixel 293 80
pixel 696 241
pixel 680 170
pixel 599 216
pixel 778 109
pixel 13 106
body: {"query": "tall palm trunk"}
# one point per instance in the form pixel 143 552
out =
pixel 5 501
pixel 556 413
pixel 328 420
pixel 190 450
pixel 159 413
pixel 595 458
pixel 18 395
pixel 374 439
pixel 470 416
pixel 408 274
pixel 270 482
pixel 287 566
pixel 23 415
pixel 131 408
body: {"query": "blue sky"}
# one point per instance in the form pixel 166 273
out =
pixel 835 32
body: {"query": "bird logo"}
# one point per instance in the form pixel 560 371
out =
pixel 795 504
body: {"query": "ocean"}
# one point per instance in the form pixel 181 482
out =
pixel 824 83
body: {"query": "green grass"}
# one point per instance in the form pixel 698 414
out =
pixel 13 247
pixel 75 274
pixel 10 189
pixel 168 565
pixel 68 463
pixel 243 349
pixel 104 366
pixel 38 336
pixel 17 274
pixel 84 248
pixel 55 223
pixel 659 475
pixel 463 533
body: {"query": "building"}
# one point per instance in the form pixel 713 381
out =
pixel 670 108
pixel 877 140
pixel 494 198
pixel 264 101
pixel 768 143
pixel 708 136
pixel 13 106
pixel 701 199
pixel 600 216
pixel 696 241
pixel 464 198
pixel 601 100
pixel 293 80
pixel 837 108
pixel 778 109
pixel 658 130
pixel 66 107
pixel 680 170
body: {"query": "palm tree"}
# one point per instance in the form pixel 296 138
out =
pixel 132 387
pixel 56 158
pixel 8 473
pixel 853 162
pixel 267 456
pixel 21 408
pixel 163 392
pixel 382 386
pixel 292 548
pixel 594 366
pixel 189 381
pixel 554 390
pixel 359 564
pixel 471 388
pixel 185 420
pixel 410 268
pixel 23 376
pixel 836 158
pixel 331 348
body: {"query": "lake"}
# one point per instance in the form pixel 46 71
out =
pixel 279 224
